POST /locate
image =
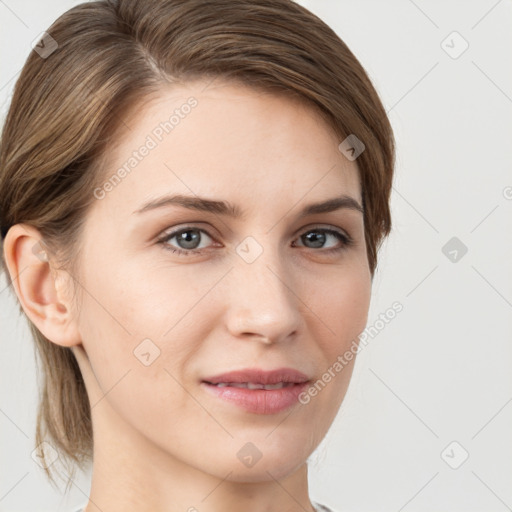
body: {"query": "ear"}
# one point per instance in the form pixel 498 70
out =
pixel 43 291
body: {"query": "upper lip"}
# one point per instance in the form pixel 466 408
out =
pixel 259 376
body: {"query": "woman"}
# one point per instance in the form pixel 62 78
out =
pixel 193 197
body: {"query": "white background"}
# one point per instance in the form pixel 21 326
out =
pixel 441 370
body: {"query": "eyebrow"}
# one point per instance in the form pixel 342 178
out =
pixel 230 210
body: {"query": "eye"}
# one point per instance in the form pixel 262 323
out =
pixel 316 238
pixel 188 238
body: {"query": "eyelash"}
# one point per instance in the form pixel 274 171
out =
pixel 346 241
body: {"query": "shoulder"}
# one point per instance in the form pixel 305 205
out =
pixel 321 508
pixel 318 506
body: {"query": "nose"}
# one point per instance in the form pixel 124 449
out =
pixel 263 303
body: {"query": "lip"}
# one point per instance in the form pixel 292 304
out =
pixel 259 376
pixel 259 401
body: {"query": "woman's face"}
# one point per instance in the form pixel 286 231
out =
pixel 173 295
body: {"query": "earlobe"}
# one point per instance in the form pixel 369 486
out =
pixel 39 288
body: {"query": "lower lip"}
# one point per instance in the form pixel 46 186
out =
pixel 259 401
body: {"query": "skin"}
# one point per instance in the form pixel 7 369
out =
pixel 160 441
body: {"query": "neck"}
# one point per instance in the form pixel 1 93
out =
pixel 132 473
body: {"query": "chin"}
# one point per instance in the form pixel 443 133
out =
pixel 258 458
pixel 264 470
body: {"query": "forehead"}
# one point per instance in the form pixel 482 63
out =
pixel 226 140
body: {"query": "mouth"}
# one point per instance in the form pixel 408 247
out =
pixel 258 377
pixel 258 391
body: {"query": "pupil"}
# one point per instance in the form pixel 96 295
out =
pixel 317 239
pixel 189 240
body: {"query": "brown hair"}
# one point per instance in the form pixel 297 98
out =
pixel 100 60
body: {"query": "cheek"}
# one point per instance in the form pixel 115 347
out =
pixel 140 300
pixel 136 368
pixel 341 304
pixel 144 319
